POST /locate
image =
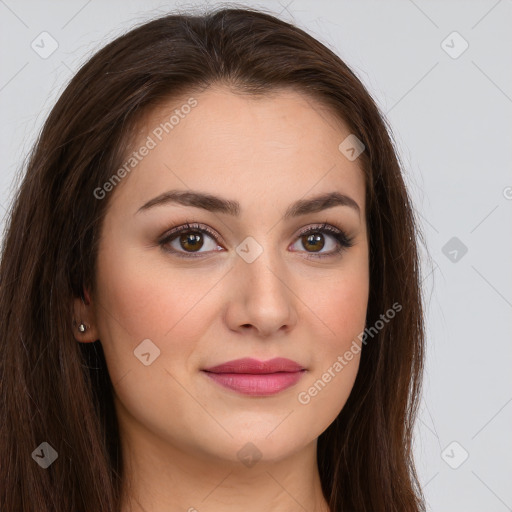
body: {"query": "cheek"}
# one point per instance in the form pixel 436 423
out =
pixel 142 299
pixel 147 300
pixel 344 312
pixel 340 304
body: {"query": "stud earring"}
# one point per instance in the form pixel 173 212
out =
pixel 82 327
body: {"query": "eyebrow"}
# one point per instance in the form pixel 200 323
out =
pixel 217 204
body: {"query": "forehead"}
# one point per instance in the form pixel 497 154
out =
pixel 280 146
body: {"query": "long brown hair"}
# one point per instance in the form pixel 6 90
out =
pixel 56 390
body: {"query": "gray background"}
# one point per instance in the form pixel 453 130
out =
pixel 451 121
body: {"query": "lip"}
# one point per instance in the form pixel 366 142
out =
pixel 253 366
pixel 257 378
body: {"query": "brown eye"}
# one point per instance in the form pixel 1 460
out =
pixel 188 240
pixel 313 242
pixel 191 241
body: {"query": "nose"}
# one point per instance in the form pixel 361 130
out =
pixel 262 301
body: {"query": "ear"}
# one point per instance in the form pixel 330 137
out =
pixel 84 313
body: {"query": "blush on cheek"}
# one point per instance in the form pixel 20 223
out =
pixel 148 306
pixel 342 314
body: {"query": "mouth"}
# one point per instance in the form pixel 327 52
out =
pixel 256 378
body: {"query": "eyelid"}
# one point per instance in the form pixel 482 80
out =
pixel 190 226
pixel 323 227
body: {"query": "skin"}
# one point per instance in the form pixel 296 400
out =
pixel 180 431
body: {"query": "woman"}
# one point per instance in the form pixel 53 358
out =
pixel 210 293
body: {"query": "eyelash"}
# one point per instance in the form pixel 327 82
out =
pixel 344 241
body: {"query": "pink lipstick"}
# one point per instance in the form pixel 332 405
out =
pixel 257 378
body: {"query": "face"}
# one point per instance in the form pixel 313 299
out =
pixel 253 277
